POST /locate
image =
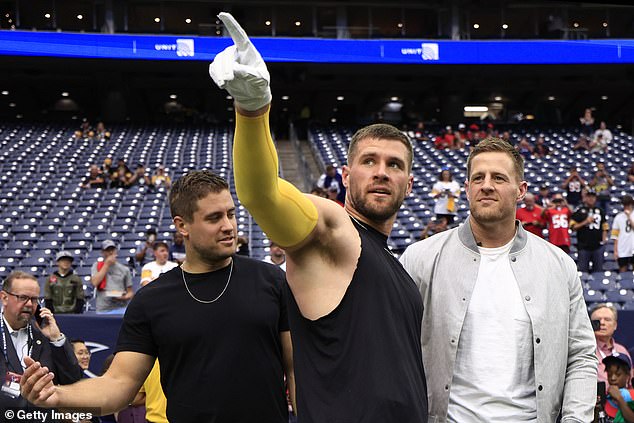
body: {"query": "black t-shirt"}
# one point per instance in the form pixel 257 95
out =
pixel 362 362
pixel 573 189
pixel 590 236
pixel 220 362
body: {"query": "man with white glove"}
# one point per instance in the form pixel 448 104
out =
pixel 355 314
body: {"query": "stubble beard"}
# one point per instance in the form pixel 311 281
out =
pixel 375 211
pixel 212 257
pixel 487 216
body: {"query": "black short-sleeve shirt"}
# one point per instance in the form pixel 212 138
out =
pixel 590 236
pixel 220 362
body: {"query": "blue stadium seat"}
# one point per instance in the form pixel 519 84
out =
pixel 592 296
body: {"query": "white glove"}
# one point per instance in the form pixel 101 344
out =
pixel 240 69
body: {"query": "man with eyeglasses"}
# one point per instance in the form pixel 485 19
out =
pixel 21 336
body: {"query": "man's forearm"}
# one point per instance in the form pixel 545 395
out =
pixel 105 394
pixel 98 277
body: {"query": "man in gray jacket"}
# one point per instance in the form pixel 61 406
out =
pixel 506 335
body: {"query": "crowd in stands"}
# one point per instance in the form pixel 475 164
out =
pixel 120 176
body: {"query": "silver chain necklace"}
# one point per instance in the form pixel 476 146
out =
pixel 219 295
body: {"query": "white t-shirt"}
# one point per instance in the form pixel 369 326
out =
pixel 623 231
pixel 153 270
pixel 494 376
pixel 442 202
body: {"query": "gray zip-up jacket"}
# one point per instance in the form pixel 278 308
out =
pixel 445 268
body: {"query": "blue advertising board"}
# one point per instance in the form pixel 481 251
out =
pixel 317 50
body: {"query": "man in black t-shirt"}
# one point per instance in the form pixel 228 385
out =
pixel 592 233
pixel 218 326
pixel 573 185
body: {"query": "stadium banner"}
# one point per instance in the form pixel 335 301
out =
pixel 100 332
pixel 317 50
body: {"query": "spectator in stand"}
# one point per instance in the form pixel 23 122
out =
pixel 525 148
pixel 443 141
pixel 333 194
pixel 101 133
pixel 587 122
pixel 450 137
pixel 177 249
pixel 140 177
pixel 419 132
pixel 277 256
pixel 582 143
pixel 598 144
pixel 530 215
pixel 82 353
pixel 94 179
pixel 473 135
pixel 630 174
pixel 108 170
pixel 446 192
pixel 543 198
pixel 160 265
pixel 601 140
pixel 623 235
pixel 145 252
pixel 332 180
pixel 118 177
pixel 64 290
pixel 605 316
pixel 112 280
pixel 242 247
pixel 557 216
pixel 161 179
pixel 619 405
pixel 128 179
pixel 85 128
pixel 574 185
pixel 541 150
pixel 601 183
pixel 458 140
pixel 592 233
pixel 435 226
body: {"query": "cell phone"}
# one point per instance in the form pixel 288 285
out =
pixel 596 325
pixel 38 318
pixel 601 393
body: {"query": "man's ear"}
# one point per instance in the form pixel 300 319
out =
pixel 181 226
pixel 345 174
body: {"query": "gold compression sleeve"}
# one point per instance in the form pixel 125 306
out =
pixel 282 211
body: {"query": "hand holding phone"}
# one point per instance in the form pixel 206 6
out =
pixel 38 317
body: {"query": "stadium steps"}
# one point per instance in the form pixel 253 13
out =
pixel 291 167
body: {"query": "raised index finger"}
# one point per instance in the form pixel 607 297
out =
pixel 238 35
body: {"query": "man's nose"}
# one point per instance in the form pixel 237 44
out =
pixel 381 171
